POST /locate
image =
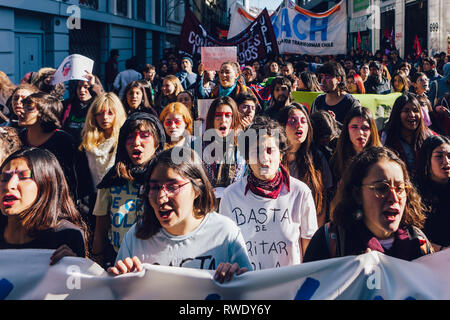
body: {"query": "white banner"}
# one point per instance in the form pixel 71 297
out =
pixel 239 21
pixel 26 274
pixel 299 31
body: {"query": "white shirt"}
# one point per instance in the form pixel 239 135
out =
pixel 272 228
pixel 217 239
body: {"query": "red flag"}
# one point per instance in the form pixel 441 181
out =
pixel 416 46
pixel 359 41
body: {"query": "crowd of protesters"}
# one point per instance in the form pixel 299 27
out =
pixel 89 167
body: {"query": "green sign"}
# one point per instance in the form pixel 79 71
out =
pixel 379 104
pixel 359 5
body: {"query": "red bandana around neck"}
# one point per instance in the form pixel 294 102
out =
pixel 268 188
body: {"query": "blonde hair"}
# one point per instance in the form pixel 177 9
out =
pixel 176 83
pixel 92 134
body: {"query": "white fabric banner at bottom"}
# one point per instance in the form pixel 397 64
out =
pixel 26 274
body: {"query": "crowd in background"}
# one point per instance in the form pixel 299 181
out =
pixel 87 166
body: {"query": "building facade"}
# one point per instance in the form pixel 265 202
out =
pixel 384 22
pixel 41 33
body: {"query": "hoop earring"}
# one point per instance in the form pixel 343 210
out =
pixel 358 214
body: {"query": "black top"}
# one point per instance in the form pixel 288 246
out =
pixel 65 233
pixel 372 86
pixel 358 238
pixel 340 109
pixel 62 145
pixel 437 223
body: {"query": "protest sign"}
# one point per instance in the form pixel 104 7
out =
pixel 73 67
pixel 379 104
pixel 240 20
pixel 372 276
pixel 213 57
pixel 299 31
pixel 256 43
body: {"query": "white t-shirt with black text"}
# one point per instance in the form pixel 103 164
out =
pixel 217 239
pixel 272 228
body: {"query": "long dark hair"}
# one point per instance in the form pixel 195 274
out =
pixel 394 125
pixel 310 81
pixel 223 101
pixel 346 203
pixel 191 168
pixel 423 169
pixel 54 203
pixel 308 166
pixel 345 151
pixel 145 102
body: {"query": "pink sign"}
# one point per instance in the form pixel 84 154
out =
pixel 213 57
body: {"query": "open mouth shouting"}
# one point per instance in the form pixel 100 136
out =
pixel 9 200
pixel 223 130
pixel 165 213
pixel 390 215
pixel 136 154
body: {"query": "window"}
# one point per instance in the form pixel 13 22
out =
pixel 158 19
pixel 122 7
pixel 141 9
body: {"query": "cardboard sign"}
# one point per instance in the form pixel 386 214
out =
pixel 73 67
pixel 213 57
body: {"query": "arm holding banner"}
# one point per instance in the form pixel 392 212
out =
pixel 224 271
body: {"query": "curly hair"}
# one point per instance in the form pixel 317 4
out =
pixel 345 203
pixel 9 142
pixel 58 90
pixel 50 110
